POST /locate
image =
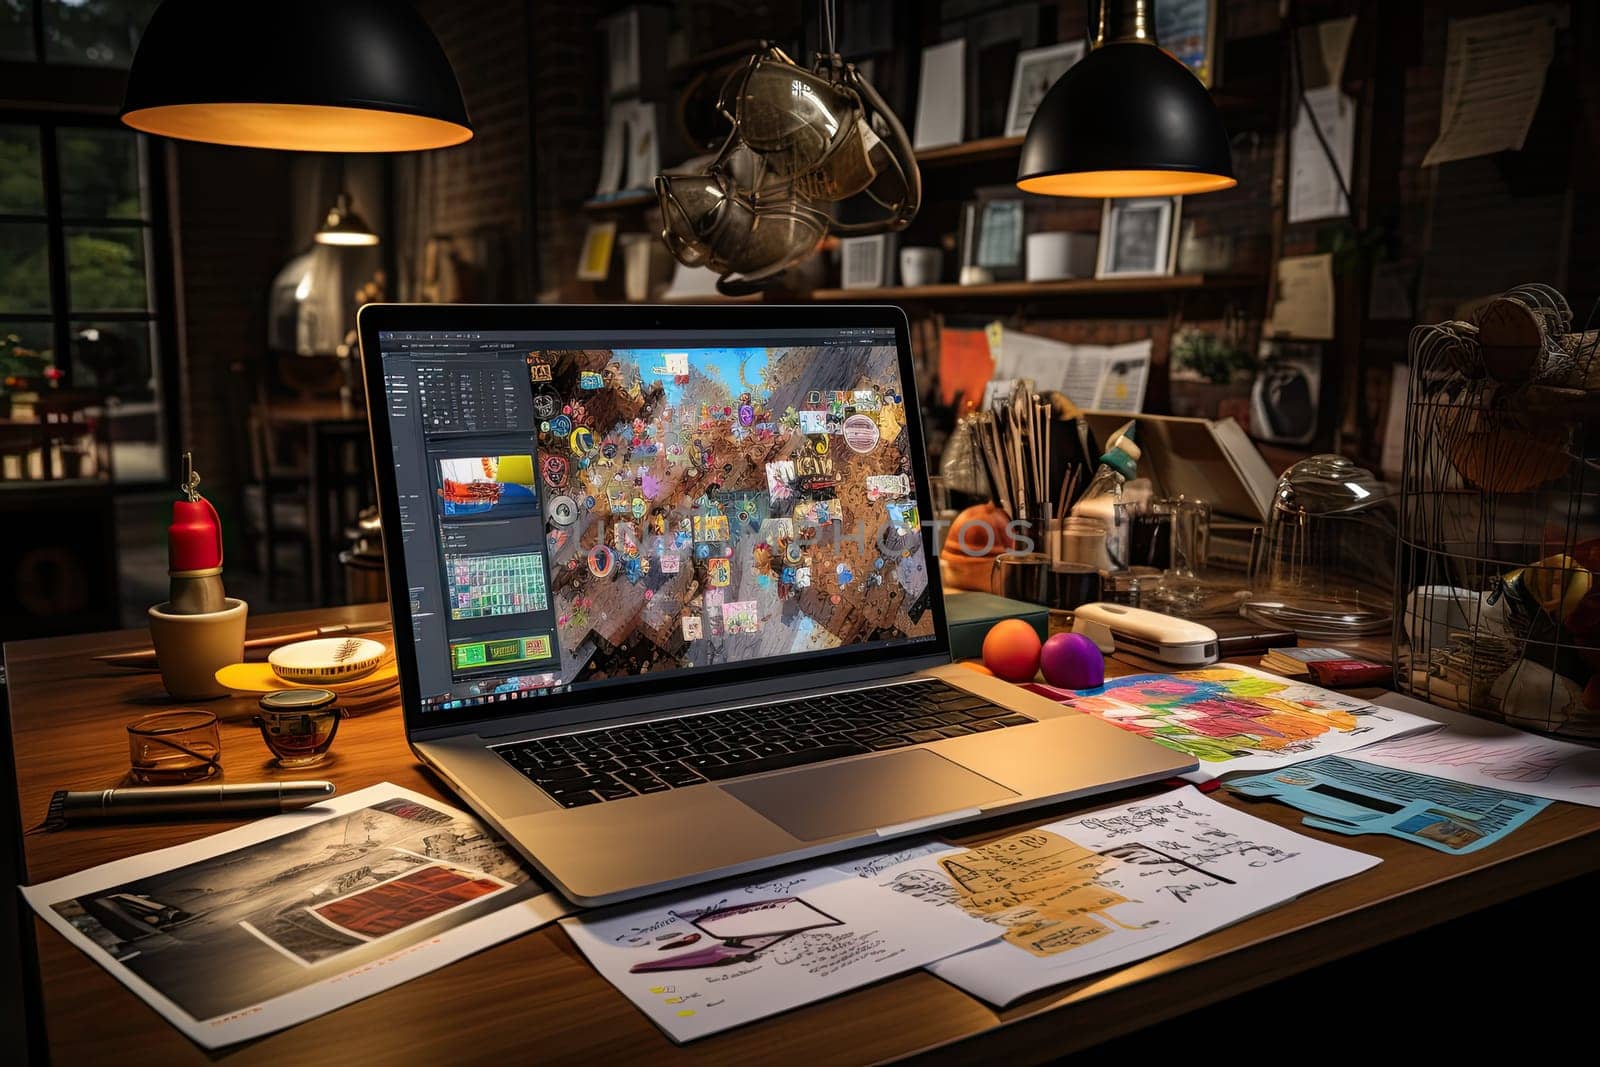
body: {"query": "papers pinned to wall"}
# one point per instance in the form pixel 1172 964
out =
pixel 1316 187
pixel 1304 307
pixel 1493 77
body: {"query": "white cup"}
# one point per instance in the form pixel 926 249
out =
pixel 191 649
pixel 920 266
pixel 1054 256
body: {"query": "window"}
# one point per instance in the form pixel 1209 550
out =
pixel 97 33
pixel 78 326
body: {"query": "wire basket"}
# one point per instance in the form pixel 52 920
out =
pixel 1497 606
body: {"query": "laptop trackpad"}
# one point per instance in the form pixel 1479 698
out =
pixel 840 798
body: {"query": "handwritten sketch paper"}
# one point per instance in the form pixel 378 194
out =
pixel 1347 796
pixel 262 927
pixel 1109 888
pixel 1304 307
pixel 1494 70
pixel 1479 752
pixel 1239 719
pixel 700 963
pixel 1316 183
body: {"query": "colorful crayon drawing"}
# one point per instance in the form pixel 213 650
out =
pixel 1226 715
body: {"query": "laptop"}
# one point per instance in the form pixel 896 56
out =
pixel 666 596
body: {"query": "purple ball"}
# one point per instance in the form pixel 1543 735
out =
pixel 1071 661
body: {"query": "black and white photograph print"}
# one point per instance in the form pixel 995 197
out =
pixel 1037 70
pixel 1138 237
pixel 278 911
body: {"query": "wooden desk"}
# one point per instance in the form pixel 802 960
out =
pixel 536 999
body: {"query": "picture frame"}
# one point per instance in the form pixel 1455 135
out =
pixel 594 261
pixel 1139 237
pixel 1037 70
pixel 941 95
pixel 866 262
pixel 998 242
pixel 1188 30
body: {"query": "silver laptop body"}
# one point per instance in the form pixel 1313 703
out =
pixel 631 608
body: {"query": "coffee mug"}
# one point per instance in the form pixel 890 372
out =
pixel 191 649
pixel 920 266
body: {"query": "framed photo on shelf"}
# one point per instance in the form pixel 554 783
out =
pixel 1188 29
pixel 1037 70
pixel 1139 237
pixel 866 262
pixel 999 238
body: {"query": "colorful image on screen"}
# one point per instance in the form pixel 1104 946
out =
pixel 486 485
pixel 481 587
pixel 726 505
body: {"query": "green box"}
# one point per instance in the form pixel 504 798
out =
pixel 971 614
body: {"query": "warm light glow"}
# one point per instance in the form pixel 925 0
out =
pixel 345 237
pixel 1118 183
pixel 298 127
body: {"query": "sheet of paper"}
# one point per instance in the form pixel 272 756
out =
pixel 1347 796
pixel 1314 186
pixel 268 925
pixel 703 962
pixel 1394 422
pixel 1493 77
pixel 1324 47
pixel 1304 307
pixel 1125 375
pixel 941 97
pixel 1098 377
pixel 1109 888
pixel 1239 719
pixel 1480 752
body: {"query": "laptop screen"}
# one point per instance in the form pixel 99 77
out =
pixel 581 508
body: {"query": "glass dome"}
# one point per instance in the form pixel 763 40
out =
pixel 1325 568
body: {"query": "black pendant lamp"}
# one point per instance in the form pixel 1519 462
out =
pixel 344 227
pixel 308 75
pixel 1127 119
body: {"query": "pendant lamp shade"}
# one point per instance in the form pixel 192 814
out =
pixel 344 226
pixel 1126 120
pixel 306 75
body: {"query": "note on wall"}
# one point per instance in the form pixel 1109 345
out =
pixel 1316 188
pixel 1304 307
pixel 1493 77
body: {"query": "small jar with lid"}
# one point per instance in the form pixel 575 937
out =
pixel 299 725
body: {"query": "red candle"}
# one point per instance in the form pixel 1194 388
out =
pixel 194 540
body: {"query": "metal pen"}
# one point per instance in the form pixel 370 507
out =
pixel 245 798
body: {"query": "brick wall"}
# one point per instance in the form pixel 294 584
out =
pixel 477 194
pixel 233 235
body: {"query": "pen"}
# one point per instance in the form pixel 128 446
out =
pixel 244 798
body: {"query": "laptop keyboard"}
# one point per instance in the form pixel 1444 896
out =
pixel 628 761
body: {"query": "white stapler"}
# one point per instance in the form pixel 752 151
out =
pixel 1163 638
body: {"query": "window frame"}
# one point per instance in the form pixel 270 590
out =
pixel 160 269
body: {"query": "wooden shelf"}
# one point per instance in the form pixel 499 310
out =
pixel 631 200
pixel 970 152
pixel 1024 291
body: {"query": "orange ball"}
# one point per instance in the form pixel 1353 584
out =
pixel 1011 650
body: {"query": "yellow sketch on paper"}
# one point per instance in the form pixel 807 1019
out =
pixel 1042 887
